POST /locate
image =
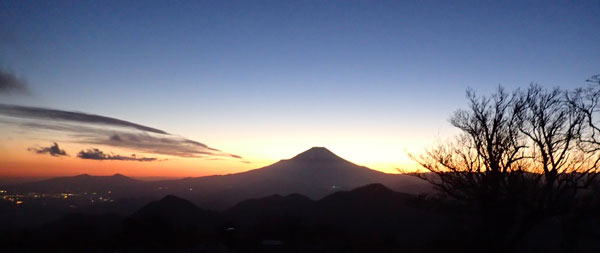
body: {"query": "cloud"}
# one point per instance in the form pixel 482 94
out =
pixel 96 154
pixel 11 84
pixel 53 150
pixel 167 145
pixel 59 115
pixel 140 141
pixel 90 129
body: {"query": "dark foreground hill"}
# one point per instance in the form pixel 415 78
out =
pixel 176 211
pixel 371 218
pixel 368 216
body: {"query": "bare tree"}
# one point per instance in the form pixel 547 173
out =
pixel 522 157
pixel 472 167
pixel 484 166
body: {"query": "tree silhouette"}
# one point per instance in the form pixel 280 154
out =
pixel 522 157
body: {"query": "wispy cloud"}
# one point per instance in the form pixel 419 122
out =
pixel 96 154
pixel 101 130
pixel 53 150
pixel 167 145
pixel 11 84
pixel 59 115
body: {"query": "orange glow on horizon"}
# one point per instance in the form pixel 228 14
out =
pixel 23 163
pixel 378 151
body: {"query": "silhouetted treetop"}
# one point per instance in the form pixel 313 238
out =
pixel 521 157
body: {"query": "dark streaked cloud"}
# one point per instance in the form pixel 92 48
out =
pixel 11 84
pixel 100 130
pixel 53 150
pixel 168 145
pixel 141 141
pixel 79 117
pixel 96 154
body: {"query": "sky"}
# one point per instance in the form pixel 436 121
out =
pixel 237 85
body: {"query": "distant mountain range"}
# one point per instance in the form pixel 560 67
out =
pixel 314 173
pixel 118 184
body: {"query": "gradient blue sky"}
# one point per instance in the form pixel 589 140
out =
pixel 267 79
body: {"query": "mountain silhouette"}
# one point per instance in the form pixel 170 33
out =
pixel 169 221
pixel 117 184
pixel 169 206
pixel 314 173
pixel 274 209
pixel 376 208
pixel 292 202
pixel 175 210
pixel 365 201
pixel 370 210
pixel 321 168
pixel 370 207
pixel 318 154
pixel 371 217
